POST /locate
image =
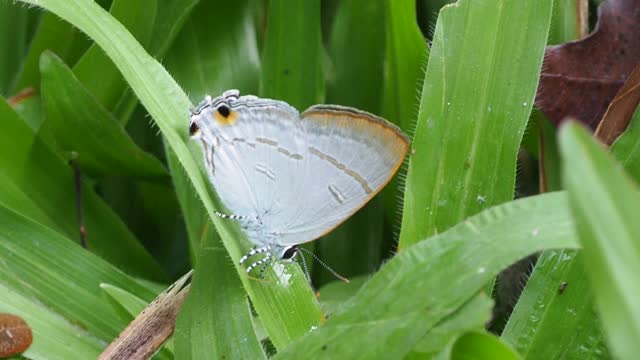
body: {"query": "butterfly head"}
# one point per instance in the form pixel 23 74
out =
pixel 214 112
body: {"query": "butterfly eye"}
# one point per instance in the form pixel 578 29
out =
pixel 193 129
pixel 224 111
pixel 289 253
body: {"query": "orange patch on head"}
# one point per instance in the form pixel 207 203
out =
pixel 229 119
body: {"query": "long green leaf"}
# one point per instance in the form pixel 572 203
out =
pixel 405 59
pixel 287 309
pixel 555 315
pixel 77 123
pixel 473 111
pixel 49 183
pixel 14 41
pixel 41 264
pixel 429 281
pixel 356 48
pixel 292 55
pixel 605 203
pixel 54 337
pixel 96 71
pixel 479 346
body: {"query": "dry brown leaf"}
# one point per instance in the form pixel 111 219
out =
pixel 151 328
pixel 621 110
pixel 580 78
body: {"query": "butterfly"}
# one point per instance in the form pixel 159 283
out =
pixel 289 178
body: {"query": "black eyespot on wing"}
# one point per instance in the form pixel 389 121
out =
pixel 289 253
pixel 193 128
pixel 224 111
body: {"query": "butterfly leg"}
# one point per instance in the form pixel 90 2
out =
pixel 265 260
pixel 254 251
pixel 232 217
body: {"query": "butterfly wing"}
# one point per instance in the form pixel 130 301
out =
pixel 252 160
pixel 350 156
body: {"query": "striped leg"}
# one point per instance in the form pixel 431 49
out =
pixel 265 260
pixel 231 217
pixel 254 251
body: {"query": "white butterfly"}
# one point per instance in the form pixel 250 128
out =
pixel 288 178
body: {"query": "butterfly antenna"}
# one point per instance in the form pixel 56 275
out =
pixel 323 264
pixel 306 269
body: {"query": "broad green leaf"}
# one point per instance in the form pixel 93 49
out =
pixel 45 179
pixel 288 307
pixel 356 48
pixel 57 36
pixel 479 346
pixel 336 293
pixel 77 123
pixel 15 24
pixel 170 17
pixel 96 71
pixel 605 202
pixel 211 57
pixel 473 111
pixel 54 337
pixel 440 340
pixel 124 301
pixel 405 60
pixel 292 55
pixel 406 57
pixel 430 281
pixel 554 317
pixel 41 264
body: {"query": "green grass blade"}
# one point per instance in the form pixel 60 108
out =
pixel 54 337
pixel 41 264
pixel 286 311
pixel 77 123
pixel 448 269
pixel 209 58
pixel 292 55
pixel 96 71
pixel 356 49
pixel 14 41
pixel 405 60
pixel 406 57
pixel 57 36
pixel 478 92
pixel 44 178
pixel 440 340
pixel 554 317
pixel 605 204
pixel 479 346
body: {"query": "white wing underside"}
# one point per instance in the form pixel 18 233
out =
pixel 302 176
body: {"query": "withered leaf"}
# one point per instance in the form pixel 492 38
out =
pixel 580 78
pixel 621 110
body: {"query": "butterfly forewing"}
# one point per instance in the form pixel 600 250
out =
pixel 301 176
pixel 351 156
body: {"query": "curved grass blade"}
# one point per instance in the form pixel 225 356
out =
pixel 44 178
pixel 431 280
pixel 292 56
pixel 356 48
pixel 77 123
pixel 604 203
pixel 41 264
pixel 478 92
pixel 168 105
